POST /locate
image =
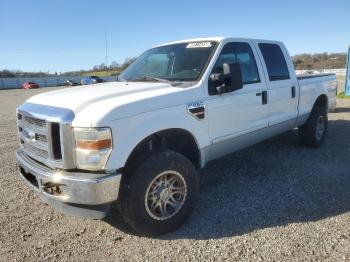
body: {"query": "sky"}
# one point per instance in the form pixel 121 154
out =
pixel 60 36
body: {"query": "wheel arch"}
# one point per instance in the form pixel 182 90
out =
pixel 321 101
pixel 176 139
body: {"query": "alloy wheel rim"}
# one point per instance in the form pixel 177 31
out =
pixel 165 195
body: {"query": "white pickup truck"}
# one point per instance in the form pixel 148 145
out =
pixel 140 140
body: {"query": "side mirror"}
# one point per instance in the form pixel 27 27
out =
pixel 230 80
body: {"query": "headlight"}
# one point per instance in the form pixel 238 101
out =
pixel 92 147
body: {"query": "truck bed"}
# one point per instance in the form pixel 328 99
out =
pixel 309 83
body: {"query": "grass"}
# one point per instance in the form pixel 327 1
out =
pixel 342 95
pixel 101 73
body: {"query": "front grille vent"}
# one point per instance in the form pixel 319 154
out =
pixel 56 141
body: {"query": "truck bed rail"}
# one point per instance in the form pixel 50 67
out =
pixel 301 77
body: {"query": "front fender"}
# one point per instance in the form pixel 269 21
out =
pixel 129 132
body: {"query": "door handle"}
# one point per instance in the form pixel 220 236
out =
pixel 293 91
pixel 264 97
pixel 258 94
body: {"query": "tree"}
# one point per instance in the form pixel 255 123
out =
pixel 319 61
pixel 102 66
pixel 127 62
pixel 114 65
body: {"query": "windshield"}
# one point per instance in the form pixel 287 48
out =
pixel 176 62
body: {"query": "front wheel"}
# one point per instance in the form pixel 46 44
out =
pixel 159 195
pixel 313 132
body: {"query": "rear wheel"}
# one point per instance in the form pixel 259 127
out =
pixel 159 195
pixel 313 132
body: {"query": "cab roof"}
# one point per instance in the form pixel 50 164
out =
pixel 217 39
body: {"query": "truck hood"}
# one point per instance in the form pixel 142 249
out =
pixel 92 104
pixel 77 98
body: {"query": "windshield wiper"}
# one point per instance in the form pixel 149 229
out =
pixel 150 78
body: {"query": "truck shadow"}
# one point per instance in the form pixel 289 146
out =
pixel 271 184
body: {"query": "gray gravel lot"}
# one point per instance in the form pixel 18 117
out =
pixel 275 201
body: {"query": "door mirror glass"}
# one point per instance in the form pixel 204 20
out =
pixel 229 80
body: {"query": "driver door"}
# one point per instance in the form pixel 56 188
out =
pixel 241 112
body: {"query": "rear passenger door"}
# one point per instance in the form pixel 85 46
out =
pixel 282 86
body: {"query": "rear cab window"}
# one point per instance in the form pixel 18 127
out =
pixel 275 61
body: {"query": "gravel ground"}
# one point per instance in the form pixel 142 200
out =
pixel 275 201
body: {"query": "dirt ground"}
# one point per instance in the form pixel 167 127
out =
pixel 275 201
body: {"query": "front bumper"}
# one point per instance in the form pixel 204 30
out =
pixel 76 193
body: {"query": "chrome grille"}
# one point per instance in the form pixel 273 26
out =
pixel 32 121
pixel 35 150
pixel 33 134
pixel 45 134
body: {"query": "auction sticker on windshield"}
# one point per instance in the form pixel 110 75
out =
pixel 199 45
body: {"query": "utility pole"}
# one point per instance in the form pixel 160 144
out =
pixel 347 79
pixel 106 50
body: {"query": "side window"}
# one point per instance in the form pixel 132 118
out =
pixel 274 61
pixel 237 53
